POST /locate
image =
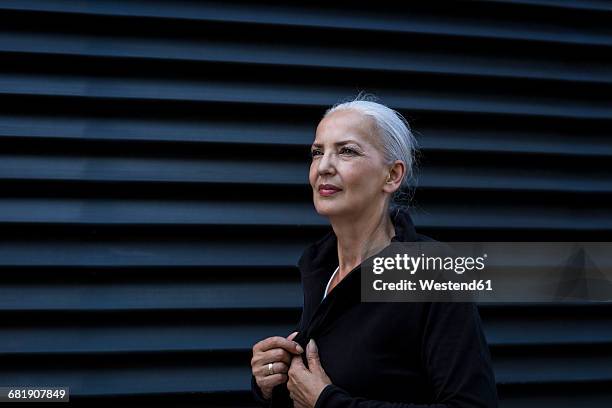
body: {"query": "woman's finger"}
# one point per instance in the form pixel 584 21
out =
pixel 278 342
pixel 273 356
pixel 277 368
pixel 270 381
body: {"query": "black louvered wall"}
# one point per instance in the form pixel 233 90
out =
pixel 153 178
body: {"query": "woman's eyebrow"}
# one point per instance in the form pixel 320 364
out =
pixel 340 143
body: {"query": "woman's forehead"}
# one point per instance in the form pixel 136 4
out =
pixel 345 124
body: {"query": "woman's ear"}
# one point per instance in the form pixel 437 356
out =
pixel 395 176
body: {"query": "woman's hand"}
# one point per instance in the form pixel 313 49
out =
pixel 306 383
pixel 278 351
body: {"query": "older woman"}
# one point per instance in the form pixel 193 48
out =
pixel 348 353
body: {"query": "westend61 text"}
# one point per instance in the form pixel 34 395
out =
pixel 429 285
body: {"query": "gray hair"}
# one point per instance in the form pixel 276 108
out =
pixel 397 139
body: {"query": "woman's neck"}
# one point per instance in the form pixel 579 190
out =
pixel 361 237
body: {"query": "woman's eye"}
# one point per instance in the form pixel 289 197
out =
pixel 314 153
pixel 347 151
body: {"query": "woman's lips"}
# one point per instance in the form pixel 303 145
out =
pixel 327 190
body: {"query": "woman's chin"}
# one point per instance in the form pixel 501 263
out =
pixel 329 209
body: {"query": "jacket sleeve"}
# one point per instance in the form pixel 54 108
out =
pixel 257 395
pixel 456 359
pixel 280 394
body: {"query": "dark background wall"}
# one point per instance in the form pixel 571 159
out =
pixel 153 178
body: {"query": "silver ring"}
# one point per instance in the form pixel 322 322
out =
pixel 270 369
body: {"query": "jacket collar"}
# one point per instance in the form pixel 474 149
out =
pixel 323 254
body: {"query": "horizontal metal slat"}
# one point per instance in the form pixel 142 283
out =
pixel 60 129
pixel 224 253
pixel 127 378
pixel 151 170
pixel 114 375
pixel 158 338
pixel 189 170
pixel 239 336
pixel 283 16
pixel 109 212
pixel 203 213
pixel 547 330
pixel 596 5
pixel 145 296
pixel 554 399
pixel 155 130
pixel 561 369
pixel 280 55
pixel 278 94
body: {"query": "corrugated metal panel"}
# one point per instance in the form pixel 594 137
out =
pixel 153 169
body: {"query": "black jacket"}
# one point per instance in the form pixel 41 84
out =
pixel 388 354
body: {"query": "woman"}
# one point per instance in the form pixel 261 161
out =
pixel 348 353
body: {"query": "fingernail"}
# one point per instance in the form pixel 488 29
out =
pixel 313 345
pixel 298 347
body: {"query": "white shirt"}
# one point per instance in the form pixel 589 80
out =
pixel 328 283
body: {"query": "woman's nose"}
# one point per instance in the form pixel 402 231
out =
pixel 326 164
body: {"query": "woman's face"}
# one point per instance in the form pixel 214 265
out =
pixel 347 172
